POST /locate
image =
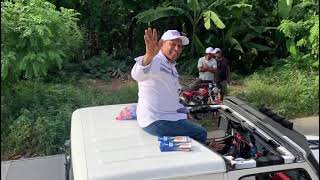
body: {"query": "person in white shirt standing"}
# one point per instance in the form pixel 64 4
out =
pixel 207 67
pixel 158 82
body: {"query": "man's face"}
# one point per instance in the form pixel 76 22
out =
pixel 218 54
pixel 172 49
pixel 209 55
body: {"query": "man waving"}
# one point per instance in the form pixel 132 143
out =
pixel 158 82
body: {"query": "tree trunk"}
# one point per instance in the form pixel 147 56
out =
pixel 94 43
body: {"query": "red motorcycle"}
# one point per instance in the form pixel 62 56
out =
pixel 205 93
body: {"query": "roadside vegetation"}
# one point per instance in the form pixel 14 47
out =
pixel 38 117
pixel 60 55
pixel 292 94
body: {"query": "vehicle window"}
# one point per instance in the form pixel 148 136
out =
pixel 293 174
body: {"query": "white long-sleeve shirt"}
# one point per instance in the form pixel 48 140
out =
pixel 158 90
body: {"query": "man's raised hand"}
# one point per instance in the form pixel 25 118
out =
pixel 152 47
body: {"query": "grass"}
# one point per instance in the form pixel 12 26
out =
pixel 209 122
pixel 292 94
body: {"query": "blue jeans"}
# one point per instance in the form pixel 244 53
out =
pixel 181 127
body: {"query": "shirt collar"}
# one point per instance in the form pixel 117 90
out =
pixel 163 57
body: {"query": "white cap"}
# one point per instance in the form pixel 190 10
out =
pixel 216 50
pixel 174 34
pixel 209 50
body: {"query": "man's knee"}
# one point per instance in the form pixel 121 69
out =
pixel 202 135
pixel 204 132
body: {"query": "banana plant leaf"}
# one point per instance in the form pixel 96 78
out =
pixel 235 44
pixel 160 12
pixel 284 8
pixel 193 5
pixel 210 15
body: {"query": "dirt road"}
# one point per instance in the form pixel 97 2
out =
pixel 307 125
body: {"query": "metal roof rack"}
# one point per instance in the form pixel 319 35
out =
pixel 276 117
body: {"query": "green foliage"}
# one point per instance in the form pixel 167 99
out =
pixel 108 25
pixel 123 59
pixel 304 8
pixel 198 44
pixel 26 133
pixel 35 37
pixel 209 122
pixel 96 67
pixel 240 6
pixel 234 44
pixel 289 91
pixel 212 16
pixel 237 10
pixel 284 8
pixel 249 37
pixel 35 121
pixel 160 12
pixel 187 65
pixel 246 40
pixel 303 42
pixel 194 5
pixel 192 10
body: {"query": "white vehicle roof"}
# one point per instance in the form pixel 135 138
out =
pixel 105 148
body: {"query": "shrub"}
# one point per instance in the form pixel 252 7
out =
pixel 35 121
pixel 292 93
pixel 96 67
pixel 303 41
pixel 100 66
pixel 35 37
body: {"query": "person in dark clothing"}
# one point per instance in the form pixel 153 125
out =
pixel 222 75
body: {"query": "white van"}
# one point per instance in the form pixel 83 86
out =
pixel 105 148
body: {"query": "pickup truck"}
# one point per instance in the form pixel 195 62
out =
pixel 105 148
